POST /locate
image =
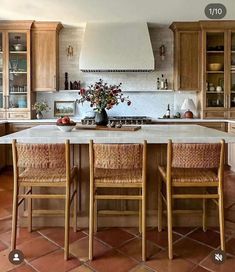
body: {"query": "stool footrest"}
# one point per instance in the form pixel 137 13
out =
pixel 125 197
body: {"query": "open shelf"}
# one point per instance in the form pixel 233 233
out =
pixel 215 52
pixel 18 72
pixel 18 52
pixel 215 72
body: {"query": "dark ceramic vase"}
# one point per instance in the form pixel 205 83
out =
pixel 101 118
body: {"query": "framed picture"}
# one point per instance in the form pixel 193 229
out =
pixel 64 108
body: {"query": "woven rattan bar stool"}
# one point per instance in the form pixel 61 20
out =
pixel 192 165
pixel 117 166
pixel 44 165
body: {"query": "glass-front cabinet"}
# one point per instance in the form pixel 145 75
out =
pixel 15 90
pixel 215 70
pixel 232 69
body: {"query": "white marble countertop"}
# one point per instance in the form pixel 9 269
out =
pixel 151 133
pixel 155 120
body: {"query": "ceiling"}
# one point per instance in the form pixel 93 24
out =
pixel 78 12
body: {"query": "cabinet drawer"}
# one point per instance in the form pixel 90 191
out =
pixel 232 128
pixel 219 126
pixel 18 115
pixel 2 115
pixel 215 114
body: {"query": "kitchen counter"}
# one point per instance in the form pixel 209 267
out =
pixel 154 134
pixel 157 137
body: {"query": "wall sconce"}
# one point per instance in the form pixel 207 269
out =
pixel 69 51
pixel 162 52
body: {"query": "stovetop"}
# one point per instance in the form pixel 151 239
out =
pixel 124 120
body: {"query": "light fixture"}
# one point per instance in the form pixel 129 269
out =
pixel 162 51
pixel 69 51
pixel 189 107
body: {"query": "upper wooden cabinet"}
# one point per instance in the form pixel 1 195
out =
pixel 45 56
pixel 187 55
pixel 15 70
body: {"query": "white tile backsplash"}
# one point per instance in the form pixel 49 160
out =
pixel 140 87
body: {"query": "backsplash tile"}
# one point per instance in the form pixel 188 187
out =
pixel 141 87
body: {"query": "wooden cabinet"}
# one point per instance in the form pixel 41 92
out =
pixel 2 148
pixel 15 65
pixel 231 148
pixel 45 54
pixel 187 52
pixel 218 83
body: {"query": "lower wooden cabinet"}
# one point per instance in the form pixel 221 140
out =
pixel 231 148
pixel 2 147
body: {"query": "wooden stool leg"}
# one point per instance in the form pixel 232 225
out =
pixel 14 216
pixel 91 223
pixel 67 219
pixel 159 211
pixel 30 212
pixel 75 205
pixel 140 214
pixel 95 216
pixel 221 219
pixel 143 227
pixel 169 222
pixel 204 227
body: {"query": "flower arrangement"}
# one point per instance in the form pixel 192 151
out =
pixel 103 96
pixel 41 106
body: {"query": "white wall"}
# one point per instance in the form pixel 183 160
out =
pixel 147 101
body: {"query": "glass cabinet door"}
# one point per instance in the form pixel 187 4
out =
pixel 18 70
pixel 232 86
pixel 1 71
pixel 215 95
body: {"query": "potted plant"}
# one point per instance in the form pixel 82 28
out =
pixel 102 97
pixel 39 107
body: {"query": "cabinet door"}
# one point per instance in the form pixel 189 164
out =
pixel 44 60
pixel 187 60
pixel 18 66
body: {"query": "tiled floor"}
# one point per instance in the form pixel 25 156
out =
pixel 117 249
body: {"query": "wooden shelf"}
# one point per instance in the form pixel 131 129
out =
pixel 23 93
pixel 18 52
pixel 215 92
pixel 215 52
pixel 215 72
pixel 18 72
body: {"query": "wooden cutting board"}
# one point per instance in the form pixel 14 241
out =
pixel 123 128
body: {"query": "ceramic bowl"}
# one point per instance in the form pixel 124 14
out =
pixel 66 127
pixel 215 66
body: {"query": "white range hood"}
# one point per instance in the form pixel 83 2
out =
pixel 116 47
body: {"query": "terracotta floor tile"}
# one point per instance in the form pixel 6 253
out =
pixel 82 268
pixel 5 265
pixel 209 237
pixel 2 246
pixel 114 236
pixel 4 213
pixel 57 235
pixel 227 266
pixel 36 248
pixel 161 263
pixel 133 249
pixel 160 238
pixel 200 269
pixel 183 230
pixel 23 235
pixel 230 246
pixel 142 268
pixel 229 228
pixel 191 250
pixel 134 231
pixel 5 225
pixel 229 215
pixel 113 261
pixel 23 268
pixel 80 249
pixel 55 262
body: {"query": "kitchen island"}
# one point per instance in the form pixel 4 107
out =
pixel 157 137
